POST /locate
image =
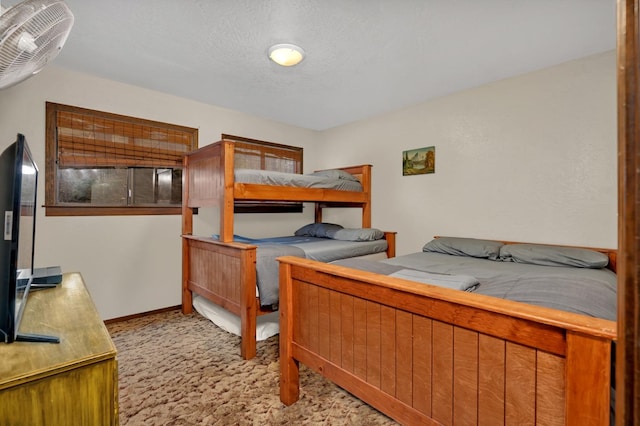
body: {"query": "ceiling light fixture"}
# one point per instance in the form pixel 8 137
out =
pixel 286 55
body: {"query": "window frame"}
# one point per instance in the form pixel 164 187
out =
pixel 55 208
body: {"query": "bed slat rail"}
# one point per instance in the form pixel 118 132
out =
pixel 440 358
pixel 249 191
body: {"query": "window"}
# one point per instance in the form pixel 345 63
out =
pixel 261 155
pixel 99 163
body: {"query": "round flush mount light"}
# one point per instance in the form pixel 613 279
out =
pixel 286 55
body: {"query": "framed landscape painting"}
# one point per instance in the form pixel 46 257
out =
pixel 419 161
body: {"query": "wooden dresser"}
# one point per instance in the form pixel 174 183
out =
pixel 74 382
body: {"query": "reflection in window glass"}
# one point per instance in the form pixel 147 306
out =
pixel 141 186
pixel 104 186
pixel 156 186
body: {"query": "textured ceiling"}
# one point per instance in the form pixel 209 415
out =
pixel 364 57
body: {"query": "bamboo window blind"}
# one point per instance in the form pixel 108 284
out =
pixel 86 140
pixel 79 140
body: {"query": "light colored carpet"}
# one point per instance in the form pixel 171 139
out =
pixel 179 369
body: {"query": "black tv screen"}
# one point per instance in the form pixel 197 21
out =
pixel 18 189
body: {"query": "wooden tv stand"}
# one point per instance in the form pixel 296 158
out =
pixel 74 382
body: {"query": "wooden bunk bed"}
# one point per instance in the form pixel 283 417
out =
pixel 223 271
pixel 431 355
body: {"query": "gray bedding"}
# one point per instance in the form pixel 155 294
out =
pixel 268 177
pixel 584 291
pixel 454 282
pixel 328 250
pixel 267 275
pixel 320 249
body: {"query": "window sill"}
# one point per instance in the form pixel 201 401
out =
pixel 110 211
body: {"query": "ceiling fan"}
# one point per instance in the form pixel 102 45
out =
pixel 32 33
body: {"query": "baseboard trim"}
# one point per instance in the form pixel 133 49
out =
pixel 142 314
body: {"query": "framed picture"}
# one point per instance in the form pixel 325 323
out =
pixel 419 161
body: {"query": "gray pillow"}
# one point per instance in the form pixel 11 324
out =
pixel 553 256
pixel 464 247
pixel 319 230
pixel 335 174
pixel 357 234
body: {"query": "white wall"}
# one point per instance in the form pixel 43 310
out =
pixel 532 158
pixel 131 264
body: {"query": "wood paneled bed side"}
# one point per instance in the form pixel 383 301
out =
pixel 428 354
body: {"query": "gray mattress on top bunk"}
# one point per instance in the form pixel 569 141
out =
pixel 326 179
pixel 572 280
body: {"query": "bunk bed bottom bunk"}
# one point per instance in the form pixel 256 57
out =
pixel 224 279
pixel 267 325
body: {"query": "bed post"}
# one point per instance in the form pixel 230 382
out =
pixel 588 372
pixel 390 236
pixel 366 208
pixel 187 229
pixel 318 213
pixel 226 201
pixel 248 305
pixel 366 215
pixel 289 367
pixel 187 296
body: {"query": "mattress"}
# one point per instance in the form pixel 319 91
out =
pixel 266 325
pixel 584 291
pixel 315 248
pixel 269 177
pixel 322 249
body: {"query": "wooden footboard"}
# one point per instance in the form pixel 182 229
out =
pixel 429 355
pixel 225 274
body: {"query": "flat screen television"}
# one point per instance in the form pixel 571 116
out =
pixel 18 195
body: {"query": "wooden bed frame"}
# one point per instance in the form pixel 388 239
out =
pixel 222 271
pixel 430 355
